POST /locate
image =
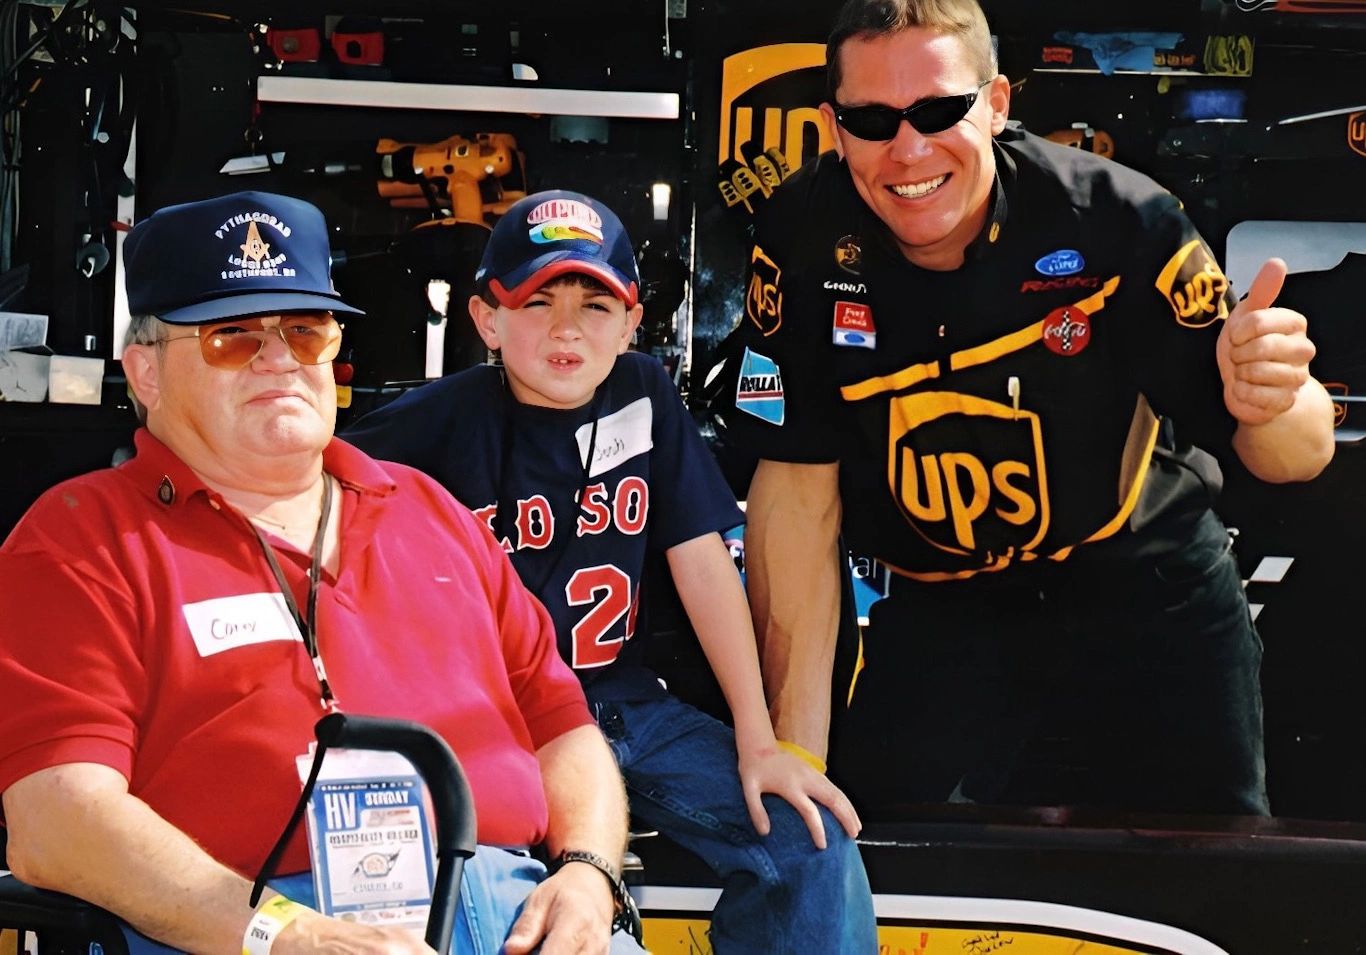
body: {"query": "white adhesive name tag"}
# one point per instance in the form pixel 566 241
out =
pixel 226 623
pixel 370 838
pixel 621 436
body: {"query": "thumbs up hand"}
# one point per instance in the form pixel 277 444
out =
pixel 1263 351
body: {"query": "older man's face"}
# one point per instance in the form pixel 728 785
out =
pixel 272 406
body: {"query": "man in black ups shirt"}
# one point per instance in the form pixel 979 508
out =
pixel 997 365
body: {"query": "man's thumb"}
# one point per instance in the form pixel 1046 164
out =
pixel 1266 286
pixel 526 932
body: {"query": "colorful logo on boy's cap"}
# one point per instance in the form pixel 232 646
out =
pixel 560 232
pixel 557 220
pixel 759 390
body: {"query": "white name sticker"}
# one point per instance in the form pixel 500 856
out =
pixel 621 436
pixel 226 623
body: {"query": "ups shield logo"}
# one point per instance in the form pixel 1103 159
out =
pixel 769 100
pixel 764 300
pixel 957 501
pixel 1195 286
pixel 1356 133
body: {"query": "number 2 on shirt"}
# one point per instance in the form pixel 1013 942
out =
pixel 608 589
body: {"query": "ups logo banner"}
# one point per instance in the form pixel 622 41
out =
pixel 957 501
pixel 770 123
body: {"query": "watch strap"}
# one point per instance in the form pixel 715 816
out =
pixel 625 916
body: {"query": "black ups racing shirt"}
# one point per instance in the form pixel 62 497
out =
pixel 1045 395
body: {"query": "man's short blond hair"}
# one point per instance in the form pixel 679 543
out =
pixel 867 19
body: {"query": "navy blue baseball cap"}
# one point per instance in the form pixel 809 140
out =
pixel 551 233
pixel 249 253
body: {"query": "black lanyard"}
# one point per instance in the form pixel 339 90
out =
pixel 308 626
pixel 507 504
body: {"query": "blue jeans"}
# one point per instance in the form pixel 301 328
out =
pixel 495 884
pixel 780 894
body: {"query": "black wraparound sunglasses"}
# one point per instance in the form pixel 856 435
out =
pixel 877 123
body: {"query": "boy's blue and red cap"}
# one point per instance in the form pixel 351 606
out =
pixel 552 233
pixel 249 253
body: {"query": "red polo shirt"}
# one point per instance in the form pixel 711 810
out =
pixel 140 628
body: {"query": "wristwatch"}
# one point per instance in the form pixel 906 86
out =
pixel 626 916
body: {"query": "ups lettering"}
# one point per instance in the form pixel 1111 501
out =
pixel 959 488
pixel 764 300
pixel 764 297
pixel 1195 286
pixel 1201 295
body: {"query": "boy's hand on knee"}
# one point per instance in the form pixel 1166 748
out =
pixel 772 770
pixel 570 913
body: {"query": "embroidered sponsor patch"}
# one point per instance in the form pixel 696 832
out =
pixel 853 288
pixel 854 325
pixel 1067 331
pixel 1194 285
pixel 759 390
pixel 621 436
pixel 849 254
pixel 1062 284
pixel 226 623
pixel 1061 262
pixel 764 300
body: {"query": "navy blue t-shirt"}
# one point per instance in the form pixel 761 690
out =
pixel 651 484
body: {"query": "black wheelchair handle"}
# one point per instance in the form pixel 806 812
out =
pixel 451 800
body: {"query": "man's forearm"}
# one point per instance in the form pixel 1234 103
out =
pixel 585 795
pixel 75 829
pixel 791 565
pixel 1295 445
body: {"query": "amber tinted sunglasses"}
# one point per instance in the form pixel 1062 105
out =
pixel 312 339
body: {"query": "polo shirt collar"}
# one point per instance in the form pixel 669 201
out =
pixel 994 227
pixel 160 474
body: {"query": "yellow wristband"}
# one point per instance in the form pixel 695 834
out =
pixel 269 921
pixel 805 755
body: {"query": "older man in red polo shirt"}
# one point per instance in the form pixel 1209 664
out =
pixel 174 627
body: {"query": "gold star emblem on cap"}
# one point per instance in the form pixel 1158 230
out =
pixel 254 248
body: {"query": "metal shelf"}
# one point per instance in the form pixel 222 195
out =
pixel 382 94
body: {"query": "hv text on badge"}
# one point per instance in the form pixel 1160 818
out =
pixel 370 839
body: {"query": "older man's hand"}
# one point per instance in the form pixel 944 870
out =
pixel 570 913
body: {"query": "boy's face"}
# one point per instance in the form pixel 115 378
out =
pixel 562 343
